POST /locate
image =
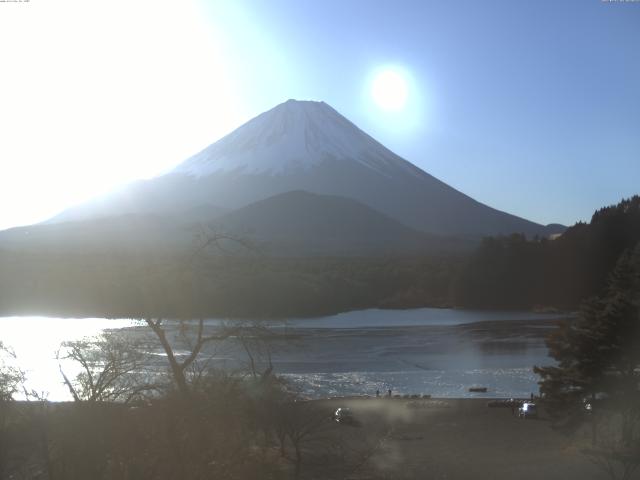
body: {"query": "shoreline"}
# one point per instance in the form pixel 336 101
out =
pixel 558 314
pixel 393 398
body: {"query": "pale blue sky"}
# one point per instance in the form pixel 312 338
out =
pixel 532 107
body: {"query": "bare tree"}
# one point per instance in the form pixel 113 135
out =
pixel 11 377
pixel 11 381
pixel 618 464
pixel 302 423
pixel 257 340
pixel 180 366
pixel 197 262
pixel 618 456
pixel 351 451
pixel 111 369
pixel 308 437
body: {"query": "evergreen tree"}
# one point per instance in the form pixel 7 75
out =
pixel 514 272
pixel 599 352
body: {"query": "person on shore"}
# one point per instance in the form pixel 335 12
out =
pixel 389 393
pixel 377 393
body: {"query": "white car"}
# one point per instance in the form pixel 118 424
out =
pixel 344 415
pixel 528 410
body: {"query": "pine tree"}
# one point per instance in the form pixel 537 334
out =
pixel 598 353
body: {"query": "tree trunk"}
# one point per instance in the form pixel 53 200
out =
pixel 176 369
pixel 298 461
pixel 594 426
pixel 282 439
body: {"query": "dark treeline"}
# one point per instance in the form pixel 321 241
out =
pixel 513 272
pixel 510 272
pixel 118 285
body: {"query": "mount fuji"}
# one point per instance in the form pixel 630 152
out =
pixel 306 146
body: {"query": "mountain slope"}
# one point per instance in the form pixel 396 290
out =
pixel 124 233
pixel 304 223
pixel 301 145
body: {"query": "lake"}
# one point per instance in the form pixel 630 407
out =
pixel 441 352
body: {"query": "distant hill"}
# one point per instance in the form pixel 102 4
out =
pixel 304 223
pixel 125 233
pixel 290 224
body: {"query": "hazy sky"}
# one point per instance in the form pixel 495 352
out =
pixel 530 107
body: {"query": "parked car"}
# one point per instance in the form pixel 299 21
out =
pixel 345 416
pixel 528 410
pixel 595 401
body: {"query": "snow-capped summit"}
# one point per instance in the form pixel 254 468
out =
pixel 295 135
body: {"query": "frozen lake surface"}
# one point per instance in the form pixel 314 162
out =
pixel 441 352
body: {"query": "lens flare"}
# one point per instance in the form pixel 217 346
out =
pixel 389 90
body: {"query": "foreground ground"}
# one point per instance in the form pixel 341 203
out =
pixel 227 436
pixel 462 439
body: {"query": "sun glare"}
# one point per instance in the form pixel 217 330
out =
pixel 389 90
pixel 97 94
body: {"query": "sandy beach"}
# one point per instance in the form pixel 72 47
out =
pixel 460 439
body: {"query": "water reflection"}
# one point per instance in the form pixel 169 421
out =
pixel 436 351
pixel 36 341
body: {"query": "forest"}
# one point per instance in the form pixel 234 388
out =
pixel 508 272
pixel 516 272
pixel 116 286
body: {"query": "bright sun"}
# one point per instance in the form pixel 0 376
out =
pixel 389 90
